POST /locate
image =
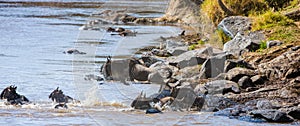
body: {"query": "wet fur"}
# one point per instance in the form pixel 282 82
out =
pixel 12 97
pixel 59 97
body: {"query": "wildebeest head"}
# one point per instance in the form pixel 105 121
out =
pixel 106 69
pixel 10 93
pixel 56 95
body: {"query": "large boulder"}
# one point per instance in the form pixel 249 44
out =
pixel 178 50
pixel 232 63
pixel 161 71
pixel 237 73
pixel 213 66
pixel 244 42
pixel 191 58
pixel 185 98
pixel 218 87
pixel 264 104
pixel 188 72
pixel 258 79
pixel 184 10
pixel 235 24
pixel 245 82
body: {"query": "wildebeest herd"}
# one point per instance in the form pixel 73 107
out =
pixel 171 93
pixel 13 98
pixel 153 70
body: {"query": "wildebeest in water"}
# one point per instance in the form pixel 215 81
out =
pixel 59 97
pixel 12 97
pixel 125 70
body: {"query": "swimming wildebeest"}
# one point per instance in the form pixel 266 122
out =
pixel 12 97
pixel 141 102
pixel 123 70
pixel 59 97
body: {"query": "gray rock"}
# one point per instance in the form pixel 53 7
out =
pixel 285 65
pixel 292 72
pixel 127 18
pixel 235 24
pixel 213 66
pixel 273 43
pixel 232 63
pixel 236 73
pixel 258 79
pixel 161 72
pixel 272 115
pixel 219 87
pixel 188 72
pixel 178 50
pixel 264 104
pixel 192 58
pixel 93 77
pixel 192 81
pixel 245 82
pixel 295 48
pixel 295 113
pixel 161 53
pixel 221 76
pixel 240 43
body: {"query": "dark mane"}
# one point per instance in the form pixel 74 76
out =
pixel 12 97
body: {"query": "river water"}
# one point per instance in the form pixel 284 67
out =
pixel 34 34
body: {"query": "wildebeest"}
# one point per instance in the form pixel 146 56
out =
pixel 12 97
pixel 123 70
pixel 141 102
pixel 59 97
pixel 73 51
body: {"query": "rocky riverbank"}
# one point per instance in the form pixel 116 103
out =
pixel 241 81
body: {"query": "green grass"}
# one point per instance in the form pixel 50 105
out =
pixel 276 27
pixel 270 19
pixel 263 45
pixel 286 34
pixel 222 36
pixel 195 46
pixel 192 47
